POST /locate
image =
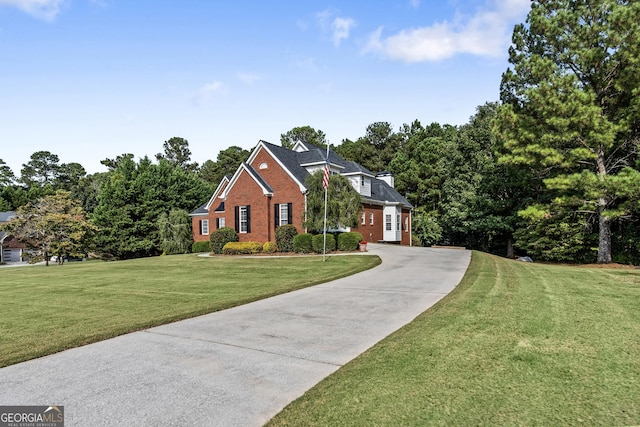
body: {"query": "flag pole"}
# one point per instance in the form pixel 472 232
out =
pixel 325 184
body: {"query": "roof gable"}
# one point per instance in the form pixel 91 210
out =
pixel 244 167
pixel 285 158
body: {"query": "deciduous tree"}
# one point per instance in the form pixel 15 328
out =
pixel 303 134
pixel 52 225
pixel 343 202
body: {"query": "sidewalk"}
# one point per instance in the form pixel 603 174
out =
pixel 237 367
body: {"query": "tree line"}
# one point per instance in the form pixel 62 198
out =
pixel 550 171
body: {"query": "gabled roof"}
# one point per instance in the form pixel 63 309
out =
pixel 383 192
pixel 287 159
pixel 6 216
pixel 353 168
pixel 245 167
pixel 204 209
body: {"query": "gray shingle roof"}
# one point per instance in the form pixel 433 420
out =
pixel 202 210
pixel 290 159
pixel 6 216
pixel 258 177
pixel 383 192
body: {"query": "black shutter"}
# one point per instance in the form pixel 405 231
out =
pixel 237 218
pixel 289 213
pixel 200 223
pixel 276 215
pixel 248 219
pixel 217 223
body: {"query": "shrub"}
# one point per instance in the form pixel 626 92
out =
pixel 302 243
pixel 317 242
pixel 284 237
pixel 242 248
pixel 221 237
pixel 349 241
pixel 198 247
pixel 269 247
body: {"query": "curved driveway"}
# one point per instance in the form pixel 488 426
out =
pixel 237 367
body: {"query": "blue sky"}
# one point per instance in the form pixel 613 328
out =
pixel 91 79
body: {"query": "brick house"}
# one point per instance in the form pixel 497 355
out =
pixel 268 190
pixel 10 249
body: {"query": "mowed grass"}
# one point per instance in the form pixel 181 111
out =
pixel 513 344
pixel 44 310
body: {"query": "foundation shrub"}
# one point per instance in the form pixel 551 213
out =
pixel 349 241
pixel 199 247
pixel 284 237
pixel 269 247
pixel 221 237
pixel 317 242
pixel 242 248
pixel 302 243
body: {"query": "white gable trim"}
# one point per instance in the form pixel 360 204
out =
pixel 262 146
pixel 216 193
pixel 244 167
pixel 300 147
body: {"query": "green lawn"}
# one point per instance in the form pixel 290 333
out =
pixel 514 344
pixel 47 309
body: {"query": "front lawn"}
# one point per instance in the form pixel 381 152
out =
pixel 514 344
pixel 48 309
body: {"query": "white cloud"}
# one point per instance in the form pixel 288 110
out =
pixel 414 3
pixel 341 28
pixel 338 27
pixel 209 90
pixel 486 33
pixel 248 78
pixel 46 10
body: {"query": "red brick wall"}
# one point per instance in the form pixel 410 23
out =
pixel 246 192
pixel 285 190
pixel 371 233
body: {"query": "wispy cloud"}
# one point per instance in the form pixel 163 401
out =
pixel 209 90
pixel 46 10
pixel 485 33
pixel 414 3
pixel 338 27
pixel 248 78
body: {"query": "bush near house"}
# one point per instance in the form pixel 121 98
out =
pixel 199 247
pixel 242 248
pixel 302 243
pixel 317 242
pixel 349 241
pixel 284 237
pixel 221 237
pixel 269 247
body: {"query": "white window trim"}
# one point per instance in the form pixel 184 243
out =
pixel 388 222
pixel 284 214
pixel 370 218
pixel 221 222
pixel 204 224
pixel 243 223
pixel 363 219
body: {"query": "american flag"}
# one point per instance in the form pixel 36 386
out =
pixel 325 179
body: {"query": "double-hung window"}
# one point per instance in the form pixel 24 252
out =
pixel 282 214
pixel 388 224
pixel 363 220
pixel 243 219
pixel 204 227
pixel 370 218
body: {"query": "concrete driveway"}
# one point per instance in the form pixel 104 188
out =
pixel 237 367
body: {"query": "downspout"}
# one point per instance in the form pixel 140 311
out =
pixel 305 211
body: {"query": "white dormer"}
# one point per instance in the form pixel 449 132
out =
pixel 361 183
